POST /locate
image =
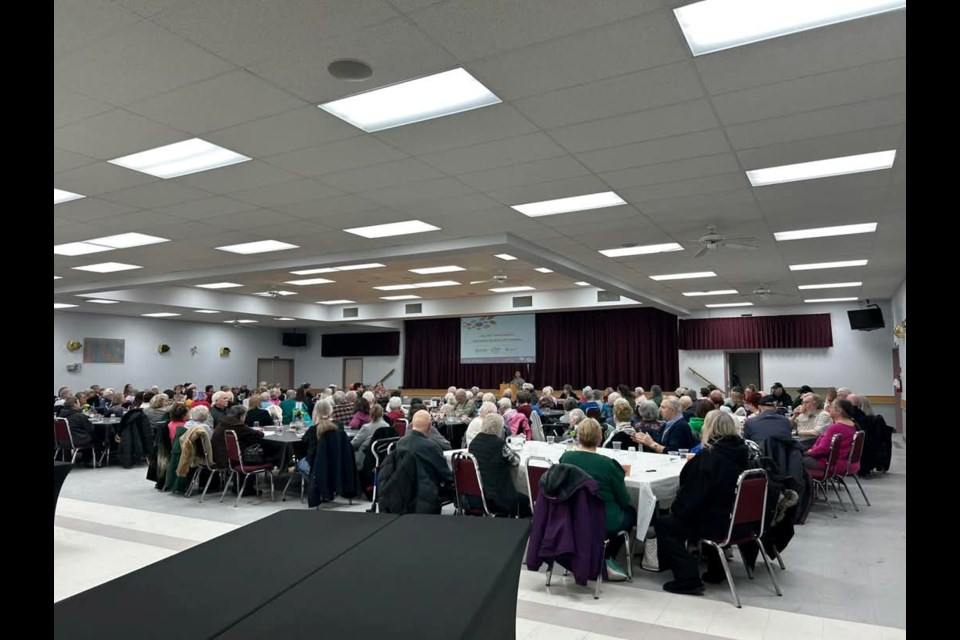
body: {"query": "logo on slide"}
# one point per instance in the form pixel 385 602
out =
pixel 478 323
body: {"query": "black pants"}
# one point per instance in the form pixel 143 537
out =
pixel 518 506
pixel 672 537
pixel 616 541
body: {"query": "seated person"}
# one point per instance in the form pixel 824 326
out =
pixel 366 432
pixel 618 507
pixel 621 414
pixel 702 409
pixel 463 408
pixel 362 415
pixel 322 422
pixel 233 421
pixel 80 426
pixel 841 411
pixel 178 417
pixel 494 459
pixel 647 420
pixel 708 485
pixel 569 404
pixel 476 425
pixel 256 413
pixel 395 409
pixel 676 433
pixel 809 420
pixel 767 423
pixel 434 477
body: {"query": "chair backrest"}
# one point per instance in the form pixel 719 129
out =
pixel 750 503
pixel 401 424
pixel 381 449
pixel 593 412
pixel 467 482
pixel 833 457
pixel 233 448
pixel 536 427
pixel 624 438
pixel 534 473
pixel 61 433
pixel 856 450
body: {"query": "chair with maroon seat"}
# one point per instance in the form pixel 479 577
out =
pixel 401 425
pixel 534 473
pixel 468 484
pixel 593 412
pixel 63 439
pixel 749 509
pixel 853 467
pixel 827 476
pixel 238 468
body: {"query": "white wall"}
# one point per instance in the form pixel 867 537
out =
pixel 143 366
pixel 861 360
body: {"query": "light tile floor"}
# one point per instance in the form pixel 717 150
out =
pixel 845 577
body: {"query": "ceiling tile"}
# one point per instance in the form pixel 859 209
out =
pixel 69 106
pixel 156 195
pixel 832 146
pixel 115 134
pixel 328 208
pixel 336 156
pixel 388 174
pixel 696 186
pixel 66 160
pixel 418 192
pixel 255 220
pixel 672 171
pixel 297 129
pixel 550 190
pixel 499 153
pixel 236 177
pixel 286 193
pixel 207 208
pixel 88 209
pixel 527 173
pixel 100 177
pixel 77 23
pixel 688 145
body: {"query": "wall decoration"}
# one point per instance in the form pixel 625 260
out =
pixel 224 352
pixel 74 345
pixel 73 368
pixel 900 329
pixel 163 348
pixel 103 350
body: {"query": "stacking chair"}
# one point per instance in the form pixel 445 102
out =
pixel 856 452
pixel 380 450
pixel 827 476
pixel 749 509
pixel 238 468
pixel 63 438
pixel 534 473
pixel 467 482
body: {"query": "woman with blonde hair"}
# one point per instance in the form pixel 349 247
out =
pixel 708 486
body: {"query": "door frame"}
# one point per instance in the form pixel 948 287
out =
pixel 726 367
pixel 343 373
pixel 293 373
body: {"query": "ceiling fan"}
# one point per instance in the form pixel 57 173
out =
pixel 764 292
pixel 713 241
pixel 239 323
pixel 499 278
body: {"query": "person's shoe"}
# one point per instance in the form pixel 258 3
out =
pixel 686 587
pixel 714 578
pixel 614 572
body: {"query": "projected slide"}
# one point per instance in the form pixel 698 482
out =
pixel 486 339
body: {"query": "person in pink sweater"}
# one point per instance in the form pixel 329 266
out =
pixel 816 457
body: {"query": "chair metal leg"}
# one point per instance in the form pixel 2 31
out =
pixel 776 554
pixel 271 486
pixel 766 561
pixel 73 458
pixel 233 472
pixel 549 572
pixel 836 490
pixel 849 495
pixel 628 545
pixel 207 486
pixel 822 486
pixel 745 565
pixel 283 496
pixel 857 480
pixel 726 570
pixel 603 564
pixel 194 483
pixel 240 490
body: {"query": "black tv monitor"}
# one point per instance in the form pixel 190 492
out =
pixel 867 319
pixel 294 339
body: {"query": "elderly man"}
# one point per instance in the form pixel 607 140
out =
pixel 768 422
pixel 686 407
pixel 221 402
pixel 716 397
pixel 809 419
pixel 463 408
pixel 843 393
pixel 676 433
pixel 433 473
pixel 476 424
pixel 344 406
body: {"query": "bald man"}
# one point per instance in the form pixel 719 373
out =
pixel 433 473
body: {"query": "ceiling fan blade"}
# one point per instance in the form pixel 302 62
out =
pixel 740 238
pixel 703 250
pixel 480 281
pixel 738 246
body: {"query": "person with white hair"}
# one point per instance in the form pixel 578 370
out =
pixel 494 459
pixel 586 394
pixel 508 393
pixel 843 392
pixel 639 394
pixel 547 393
pixel 463 407
pixel 574 418
pixel 370 397
pixel 200 416
pixel 221 401
pixel 676 433
pixel 476 424
pixel 344 406
pixel 451 390
pixel 395 409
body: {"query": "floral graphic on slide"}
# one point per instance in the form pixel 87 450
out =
pixel 478 323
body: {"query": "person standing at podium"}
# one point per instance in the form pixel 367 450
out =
pixel 517 380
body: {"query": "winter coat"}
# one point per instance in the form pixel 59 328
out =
pixel 333 470
pixel 192 456
pixel 136 437
pixel 708 486
pixel 568 523
pixel 431 468
pixel 80 427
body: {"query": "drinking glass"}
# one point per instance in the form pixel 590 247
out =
pixel 616 445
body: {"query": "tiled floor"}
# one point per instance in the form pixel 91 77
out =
pixel 845 577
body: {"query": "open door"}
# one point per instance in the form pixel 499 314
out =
pixel 897 390
pixel 743 368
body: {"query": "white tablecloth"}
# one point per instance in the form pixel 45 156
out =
pixel 653 476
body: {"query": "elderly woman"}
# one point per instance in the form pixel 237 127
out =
pixel 576 417
pixel 621 415
pixel 395 409
pixel 648 421
pixel 256 414
pixel 178 417
pixel 366 432
pixel 809 419
pixel 200 416
pixel 546 394
pixel 322 422
pixel 676 433
pixel 159 407
pixel 569 405
pixel 841 412
pixel 494 459
pixel 708 485
pixel 619 510
pixel 362 414
pixel 476 425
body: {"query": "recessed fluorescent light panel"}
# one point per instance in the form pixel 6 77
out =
pixel 569 205
pixel 311 272
pixel 511 289
pixel 441 94
pixel 308 281
pixel 834 285
pixel 504 256
pixel 831 299
pixel 717 292
pixel 205 311
pixel 827 232
pixel 420 285
pixel 78 249
pixel 274 294
pixel 59 195
pixel 261 246
pixel 684 276
pixel 161 314
pixel 543 270
pixel 641 250
pixel 827 265
pixel 108 267
pixel 822 168
pixel 408 297
pixel 582 284
pixel 180 159
pixel 219 285
pixel 358 267
pixel 285 319
pixel 450 268
pixel 392 229
pixel 729 304
pixel 127 240
pixel 99 301
pixel 715 25
pixel 58 277
pixel 243 321
pixel 336 301
pixel 62 305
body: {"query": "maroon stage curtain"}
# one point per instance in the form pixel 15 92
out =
pixel 760 332
pixel 598 348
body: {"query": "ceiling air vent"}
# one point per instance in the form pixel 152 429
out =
pixel 351 312
pixel 607 296
pixel 414 307
pixel 520 302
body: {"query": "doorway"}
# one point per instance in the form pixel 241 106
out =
pixel 352 371
pixel 275 371
pixel 743 368
pixel 897 390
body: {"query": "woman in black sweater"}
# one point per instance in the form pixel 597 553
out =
pixel 495 458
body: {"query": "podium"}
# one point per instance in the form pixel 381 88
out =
pixel 513 388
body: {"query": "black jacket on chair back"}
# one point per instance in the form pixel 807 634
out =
pixel 495 472
pixel 708 486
